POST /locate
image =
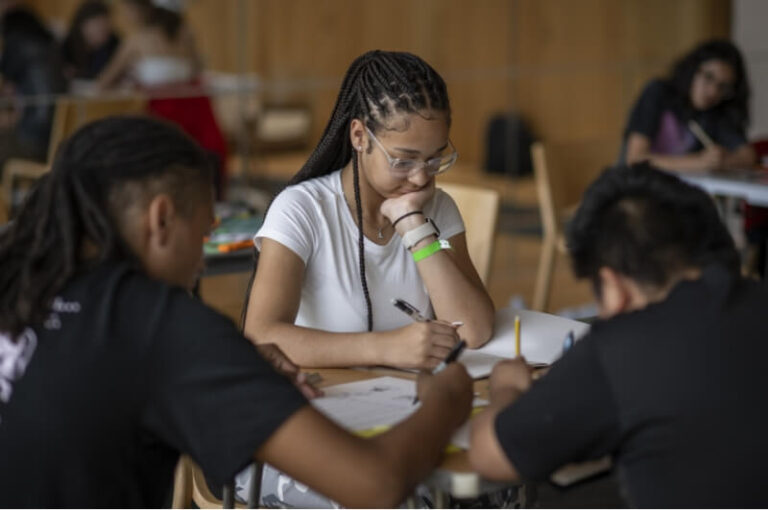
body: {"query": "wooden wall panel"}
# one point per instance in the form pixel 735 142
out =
pixel 572 67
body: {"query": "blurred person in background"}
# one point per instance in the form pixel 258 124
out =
pixel 709 86
pixel 90 42
pixel 160 57
pixel 31 74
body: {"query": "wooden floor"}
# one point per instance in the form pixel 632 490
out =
pixel 515 258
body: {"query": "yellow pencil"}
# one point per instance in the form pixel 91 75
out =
pixel 517 336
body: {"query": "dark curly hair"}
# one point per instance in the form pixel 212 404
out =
pixel 735 107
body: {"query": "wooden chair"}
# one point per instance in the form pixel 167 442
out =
pixel 5 211
pixel 190 486
pixel 73 112
pixel 562 170
pixel 479 208
pixel 70 114
pixel 14 172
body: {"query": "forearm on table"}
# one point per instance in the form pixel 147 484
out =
pixel 740 158
pixel 455 297
pixel 309 347
pixel 378 472
pixel 415 446
pixel 679 163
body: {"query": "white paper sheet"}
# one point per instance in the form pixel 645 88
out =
pixel 380 402
pixel 541 335
pixel 479 364
pixel 541 340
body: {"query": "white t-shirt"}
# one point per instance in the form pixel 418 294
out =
pixel 313 220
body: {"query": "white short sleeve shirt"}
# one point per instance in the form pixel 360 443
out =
pixel 312 220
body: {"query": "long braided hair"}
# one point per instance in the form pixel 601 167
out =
pixel 105 169
pixel 378 85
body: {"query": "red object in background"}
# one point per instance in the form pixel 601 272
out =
pixel 194 114
pixel 757 217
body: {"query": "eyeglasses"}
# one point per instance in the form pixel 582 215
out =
pixel 725 88
pixel 403 168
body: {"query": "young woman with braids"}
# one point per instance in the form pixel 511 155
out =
pixel 109 368
pixel 359 227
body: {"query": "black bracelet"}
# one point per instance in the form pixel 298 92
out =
pixel 405 216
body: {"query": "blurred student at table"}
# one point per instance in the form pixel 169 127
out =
pixel 90 42
pixel 670 381
pixel 160 57
pixel 31 75
pixel 709 86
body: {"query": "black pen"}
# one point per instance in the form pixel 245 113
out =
pixel 452 356
pixel 414 313
pixel 408 309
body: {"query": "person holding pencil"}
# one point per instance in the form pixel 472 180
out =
pixel 695 119
pixel 669 381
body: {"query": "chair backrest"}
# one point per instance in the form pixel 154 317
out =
pixel 71 113
pixel 14 171
pixel 479 207
pixel 5 210
pixel 190 487
pixel 563 171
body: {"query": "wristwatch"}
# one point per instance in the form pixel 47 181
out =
pixel 426 229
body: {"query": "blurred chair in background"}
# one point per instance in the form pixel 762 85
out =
pixel 562 170
pixel 18 176
pixel 71 113
pixel 479 207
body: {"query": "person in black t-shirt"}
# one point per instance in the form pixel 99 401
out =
pixel 109 368
pixel 709 86
pixel 670 381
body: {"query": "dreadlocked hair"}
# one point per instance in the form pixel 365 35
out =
pixel 105 169
pixel 378 85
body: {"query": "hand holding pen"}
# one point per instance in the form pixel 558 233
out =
pixel 422 344
pixel 416 315
pixel 451 358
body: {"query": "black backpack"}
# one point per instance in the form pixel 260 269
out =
pixel 508 145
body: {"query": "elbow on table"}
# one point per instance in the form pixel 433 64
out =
pixel 477 334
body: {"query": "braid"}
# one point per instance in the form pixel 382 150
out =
pixel 361 240
pixel 377 85
pixel 80 203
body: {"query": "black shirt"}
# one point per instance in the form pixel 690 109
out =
pixel 125 374
pixel 675 392
pixel 659 115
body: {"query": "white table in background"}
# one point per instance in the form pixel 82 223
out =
pixel 750 185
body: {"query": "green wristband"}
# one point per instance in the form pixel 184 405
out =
pixel 431 249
